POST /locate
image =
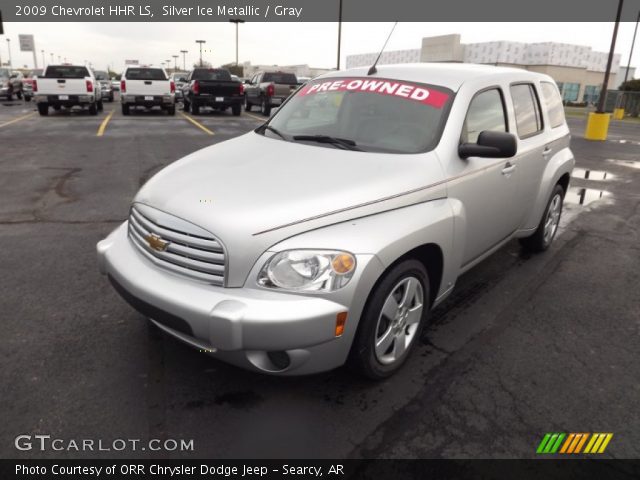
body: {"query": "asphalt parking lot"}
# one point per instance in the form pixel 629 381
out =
pixel 526 344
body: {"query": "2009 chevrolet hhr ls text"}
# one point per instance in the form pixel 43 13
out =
pixel 324 236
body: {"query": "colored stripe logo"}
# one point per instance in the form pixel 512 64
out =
pixel 573 443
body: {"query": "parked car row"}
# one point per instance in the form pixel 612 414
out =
pixel 10 83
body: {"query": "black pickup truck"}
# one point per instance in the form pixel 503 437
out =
pixel 212 87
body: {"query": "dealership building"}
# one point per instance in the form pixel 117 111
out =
pixel 577 69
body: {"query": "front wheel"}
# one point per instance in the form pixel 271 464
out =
pixel 548 226
pixel 392 321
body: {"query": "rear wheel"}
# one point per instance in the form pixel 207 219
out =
pixel 236 110
pixel 171 110
pixel 125 109
pixel 392 321
pixel 195 109
pixel 27 99
pixel 43 109
pixel 93 109
pixel 19 95
pixel 548 226
pixel 100 106
pixel 247 105
pixel 265 108
pixel 185 106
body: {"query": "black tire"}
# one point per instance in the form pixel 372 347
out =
pixel 27 99
pixel 43 109
pixel 19 95
pixel 100 106
pixel 265 108
pixel 195 109
pixel 125 109
pixel 111 97
pixel 171 110
pixel 9 96
pixel 236 110
pixel 539 242
pixel 362 357
pixel 93 109
pixel 247 105
pixel 57 108
pixel 186 106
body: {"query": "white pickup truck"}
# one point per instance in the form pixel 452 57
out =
pixel 147 87
pixel 67 86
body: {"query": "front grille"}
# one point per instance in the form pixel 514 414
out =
pixel 194 255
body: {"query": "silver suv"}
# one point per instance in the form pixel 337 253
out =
pixel 326 235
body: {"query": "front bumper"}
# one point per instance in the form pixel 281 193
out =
pixel 239 325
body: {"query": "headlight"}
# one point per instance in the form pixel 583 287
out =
pixel 308 270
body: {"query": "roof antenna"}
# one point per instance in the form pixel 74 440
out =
pixel 373 70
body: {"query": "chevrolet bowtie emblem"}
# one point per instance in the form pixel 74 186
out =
pixel 156 242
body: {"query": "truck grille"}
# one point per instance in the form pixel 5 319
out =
pixel 194 255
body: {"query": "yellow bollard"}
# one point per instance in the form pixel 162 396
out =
pixel 597 126
pixel 618 113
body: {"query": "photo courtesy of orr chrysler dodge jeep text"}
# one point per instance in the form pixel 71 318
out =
pixel 334 227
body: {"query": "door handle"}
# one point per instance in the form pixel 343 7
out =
pixel 508 168
pixel 546 151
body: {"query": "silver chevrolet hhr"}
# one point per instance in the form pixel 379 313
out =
pixel 327 234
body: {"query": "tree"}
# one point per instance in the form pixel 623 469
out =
pixel 631 85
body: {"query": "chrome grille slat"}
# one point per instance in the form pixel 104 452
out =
pixel 196 256
pixel 173 236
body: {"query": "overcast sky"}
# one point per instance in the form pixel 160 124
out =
pixel 280 43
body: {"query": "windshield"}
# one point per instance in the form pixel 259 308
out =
pixel 101 75
pixel 376 115
pixel 179 76
pixel 212 74
pixel 64 71
pixel 145 74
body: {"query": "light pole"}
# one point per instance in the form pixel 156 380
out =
pixel 175 63
pixel 184 59
pixel 201 42
pixel 339 32
pixel 633 42
pixel 236 21
pixel 598 121
pixel 9 48
pixel 43 62
pixel 51 54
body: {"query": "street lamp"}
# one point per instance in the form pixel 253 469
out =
pixel 184 59
pixel 9 48
pixel 236 21
pixel 598 121
pixel 50 53
pixel 42 58
pixel 201 42
pixel 175 63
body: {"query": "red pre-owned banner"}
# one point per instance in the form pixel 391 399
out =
pixel 408 91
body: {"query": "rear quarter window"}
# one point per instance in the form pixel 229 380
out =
pixel 145 74
pixel 527 109
pixel 553 104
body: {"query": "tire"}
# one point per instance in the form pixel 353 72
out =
pixel 247 105
pixel 185 106
pixel 100 106
pixel 19 95
pixel 57 108
pixel 195 109
pixel 265 108
pixel 171 110
pixel 27 99
pixel 402 331
pixel 111 98
pixel 236 110
pixel 543 237
pixel 43 109
pixel 93 109
pixel 9 96
pixel 125 109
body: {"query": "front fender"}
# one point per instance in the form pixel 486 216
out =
pixel 560 164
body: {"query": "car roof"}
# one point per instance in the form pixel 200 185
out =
pixel 450 75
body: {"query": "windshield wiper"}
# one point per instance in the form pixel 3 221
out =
pixel 274 130
pixel 343 142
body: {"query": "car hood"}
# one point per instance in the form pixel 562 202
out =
pixel 253 191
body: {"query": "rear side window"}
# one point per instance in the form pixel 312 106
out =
pixel 527 109
pixel 66 71
pixel 212 74
pixel 553 103
pixel 486 112
pixel 285 78
pixel 145 74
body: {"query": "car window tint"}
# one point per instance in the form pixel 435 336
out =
pixel 66 71
pixel 284 78
pixel 525 105
pixel 145 74
pixel 553 103
pixel 486 112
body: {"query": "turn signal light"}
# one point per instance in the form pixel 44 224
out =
pixel 341 320
pixel 343 263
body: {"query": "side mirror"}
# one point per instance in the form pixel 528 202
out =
pixel 490 145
